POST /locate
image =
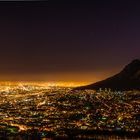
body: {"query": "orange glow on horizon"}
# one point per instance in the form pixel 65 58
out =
pixel 42 83
pixel 61 79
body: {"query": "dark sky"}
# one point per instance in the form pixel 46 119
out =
pixel 67 40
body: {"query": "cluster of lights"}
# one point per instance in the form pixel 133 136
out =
pixel 24 108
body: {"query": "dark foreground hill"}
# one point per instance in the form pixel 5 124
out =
pixel 127 79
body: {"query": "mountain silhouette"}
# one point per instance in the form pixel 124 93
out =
pixel 127 79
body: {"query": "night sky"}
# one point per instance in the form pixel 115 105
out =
pixel 67 40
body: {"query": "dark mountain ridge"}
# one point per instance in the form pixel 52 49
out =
pixel 127 79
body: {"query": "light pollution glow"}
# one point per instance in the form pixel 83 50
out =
pixel 65 78
pixel 6 84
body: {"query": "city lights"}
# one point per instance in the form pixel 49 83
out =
pixel 51 111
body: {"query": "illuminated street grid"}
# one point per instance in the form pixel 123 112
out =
pixel 24 108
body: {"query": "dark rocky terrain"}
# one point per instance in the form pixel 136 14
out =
pixel 127 79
